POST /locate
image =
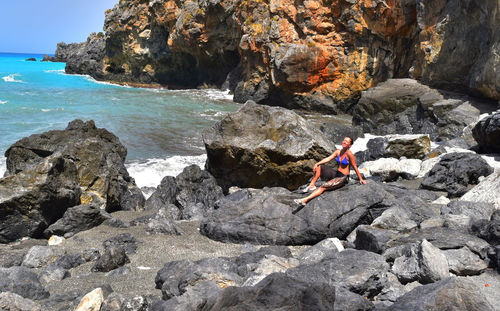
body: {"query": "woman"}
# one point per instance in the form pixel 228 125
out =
pixel 336 179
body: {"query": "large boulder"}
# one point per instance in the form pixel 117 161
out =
pixel 22 281
pixel 265 216
pixel 450 293
pixel 455 171
pixel 193 191
pixel 404 106
pixel 36 197
pixel 76 219
pixel 261 146
pixel 99 158
pixel 487 133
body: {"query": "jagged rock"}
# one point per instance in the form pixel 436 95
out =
pixel 12 257
pixel 488 230
pixel 455 171
pixel 487 133
pixel 320 251
pixel 31 59
pixel 58 270
pixel 392 291
pixel 162 225
pixel 395 218
pixel 358 271
pixel 457 293
pixel 54 274
pixel 485 191
pixel 409 146
pixel 375 149
pixel 86 57
pixel 120 271
pixel 475 210
pixel 457 222
pixel 265 216
pixel 267 265
pixel 126 240
pixel 193 299
pixel 91 301
pixel 14 302
pixel 33 199
pixel 390 169
pixel 39 256
pixel 76 219
pixel 463 262
pixel 373 239
pixel 22 281
pixel 261 146
pixel 114 256
pixel 99 158
pixel 445 238
pixel 423 263
pixel 193 191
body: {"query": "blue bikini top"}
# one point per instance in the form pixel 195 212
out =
pixel 344 160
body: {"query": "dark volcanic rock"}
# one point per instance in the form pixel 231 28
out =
pixel 22 281
pixel 487 133
pixel 86 57
pixel 265 216
pixel 33 199
pixel 447 294
pixel 114 257
pixel 454 172
pixel 193 191
pixel 126 240
pixel 76 219
pixel 263 146
pixel 99 157
pixel 31 59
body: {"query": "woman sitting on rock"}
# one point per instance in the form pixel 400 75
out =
pixel 336 179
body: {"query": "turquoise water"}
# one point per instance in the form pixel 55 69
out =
pixel 160 128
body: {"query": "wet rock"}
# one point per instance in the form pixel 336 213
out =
pixel 76 219
pixel 15 302
pixel 33 199
pixel 99 158
pixel 114 256
pixel 454 172
pixel 22 281
pixel 261 146
pixel 487 133
pixel 457 292
pixel 463 262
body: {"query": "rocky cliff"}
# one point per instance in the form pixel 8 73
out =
pixel 315 55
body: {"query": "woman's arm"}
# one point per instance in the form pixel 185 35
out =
pixel 352 160
pixel 326 160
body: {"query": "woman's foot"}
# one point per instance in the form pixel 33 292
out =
pixel 299 202
pixel 309 188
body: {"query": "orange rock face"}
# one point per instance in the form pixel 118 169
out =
pixel 275 51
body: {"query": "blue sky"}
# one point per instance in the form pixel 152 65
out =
pixel 36 26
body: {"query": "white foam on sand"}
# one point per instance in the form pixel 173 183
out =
pixel 3 166
pixel 149 173
pixel 12 78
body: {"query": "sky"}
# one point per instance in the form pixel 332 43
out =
pixel 36 26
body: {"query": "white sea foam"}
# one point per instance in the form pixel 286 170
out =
pixel 3 102
pixel 149 173
pixel 3 166
pixel 57 71
pixel 12 78
pixel 46 110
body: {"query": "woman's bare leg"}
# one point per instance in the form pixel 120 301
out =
pixel 314 194
pixel 317 173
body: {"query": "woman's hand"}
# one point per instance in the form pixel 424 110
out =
pixel 363 182
pixel 315 167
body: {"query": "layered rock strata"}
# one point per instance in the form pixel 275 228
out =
pixel 316 55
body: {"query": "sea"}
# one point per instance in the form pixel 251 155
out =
pixel 160 128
